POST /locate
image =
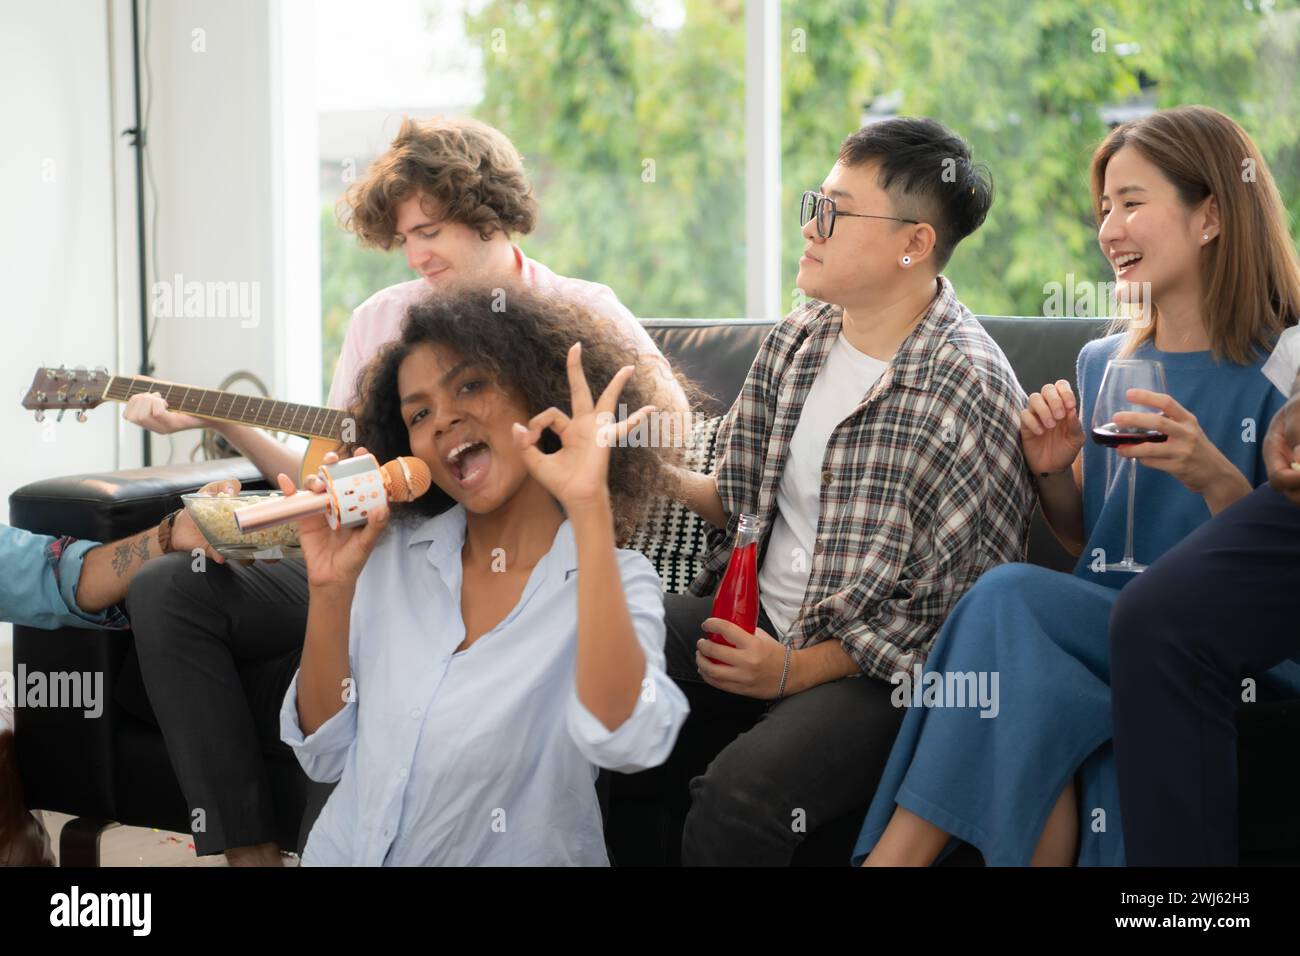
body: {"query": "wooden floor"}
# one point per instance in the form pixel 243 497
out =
pixel 137 846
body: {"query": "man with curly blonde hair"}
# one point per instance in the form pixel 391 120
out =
pixel 218 650
pixel 451 193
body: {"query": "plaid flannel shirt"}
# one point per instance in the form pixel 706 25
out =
pixel 924 486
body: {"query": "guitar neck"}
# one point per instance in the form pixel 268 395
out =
pixel 309 420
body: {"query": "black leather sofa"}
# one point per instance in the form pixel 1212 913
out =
pixel 115 768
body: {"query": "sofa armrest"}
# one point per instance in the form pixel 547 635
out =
pixel 114 504
pixel 65 758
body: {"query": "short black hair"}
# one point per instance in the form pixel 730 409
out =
pixel 926 168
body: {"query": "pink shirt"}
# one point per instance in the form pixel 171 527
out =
pixel 378 321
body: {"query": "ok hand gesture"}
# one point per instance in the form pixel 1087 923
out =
pixel 576 475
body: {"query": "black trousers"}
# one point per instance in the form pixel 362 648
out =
pixel 748 780
pixel 218 648
pixel 1218 607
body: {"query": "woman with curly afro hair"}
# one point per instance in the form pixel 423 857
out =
pixel 451 196
pixel 470 664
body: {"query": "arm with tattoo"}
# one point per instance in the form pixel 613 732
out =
pixel 107 571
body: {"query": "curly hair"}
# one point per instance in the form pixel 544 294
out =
pixel 521 340
pixel 469 169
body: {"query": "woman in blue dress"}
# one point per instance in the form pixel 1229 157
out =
pixel 1030 779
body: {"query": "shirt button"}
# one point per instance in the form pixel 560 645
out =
pixel 415 713
pixel 402 772
pixel 818 548
pixel 827 477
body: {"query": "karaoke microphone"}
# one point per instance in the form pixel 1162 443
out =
pixel 353 487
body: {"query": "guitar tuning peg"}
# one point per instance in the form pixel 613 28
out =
pixel 61 412
pixel 40 416
pixel 81 416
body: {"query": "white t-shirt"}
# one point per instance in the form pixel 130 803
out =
pixel 840 386
pixel 1282 365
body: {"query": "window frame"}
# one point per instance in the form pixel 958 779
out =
pixel 295 163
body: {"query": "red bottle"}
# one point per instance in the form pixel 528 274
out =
pixel 737 597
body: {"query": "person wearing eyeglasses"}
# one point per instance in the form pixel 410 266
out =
pixel 1203 258
pixel 875 437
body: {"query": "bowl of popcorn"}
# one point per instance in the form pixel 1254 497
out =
pixel 215 516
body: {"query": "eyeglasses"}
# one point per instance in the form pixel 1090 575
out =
pixel 823 208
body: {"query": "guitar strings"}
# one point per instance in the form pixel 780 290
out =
pixel 317 422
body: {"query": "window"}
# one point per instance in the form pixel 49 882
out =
pixel 634 118
pixel 1034 86
pixel 630 116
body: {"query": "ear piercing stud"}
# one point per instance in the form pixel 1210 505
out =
pixel 907 260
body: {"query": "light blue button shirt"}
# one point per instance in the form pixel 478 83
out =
pixel 485 756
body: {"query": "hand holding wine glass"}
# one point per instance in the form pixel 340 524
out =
pixel 1176 442
pixel 1122 419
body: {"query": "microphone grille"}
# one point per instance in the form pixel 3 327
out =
pixel 399 489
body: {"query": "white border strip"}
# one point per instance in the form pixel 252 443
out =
pixel 763 159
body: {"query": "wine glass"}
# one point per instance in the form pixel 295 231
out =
pixel 1112 397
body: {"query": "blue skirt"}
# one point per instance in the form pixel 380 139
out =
pixel 1039 638
pixel 991 775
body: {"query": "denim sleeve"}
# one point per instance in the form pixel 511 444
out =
pixel 38 584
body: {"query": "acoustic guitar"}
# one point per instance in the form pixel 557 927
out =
pixel 79 390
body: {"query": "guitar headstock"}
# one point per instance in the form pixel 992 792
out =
pixel 60 389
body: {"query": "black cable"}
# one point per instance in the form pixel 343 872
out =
pixel 148 162
pixel 139 141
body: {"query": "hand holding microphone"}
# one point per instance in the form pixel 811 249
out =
pixel 344 491
pixel 339 523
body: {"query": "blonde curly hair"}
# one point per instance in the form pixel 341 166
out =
pixel 469 169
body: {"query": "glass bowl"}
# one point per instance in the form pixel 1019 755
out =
pixel 215 516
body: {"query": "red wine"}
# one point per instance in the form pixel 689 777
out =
pixel 1111 435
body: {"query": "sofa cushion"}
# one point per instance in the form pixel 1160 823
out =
pixel 671 535
pixel 716 355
